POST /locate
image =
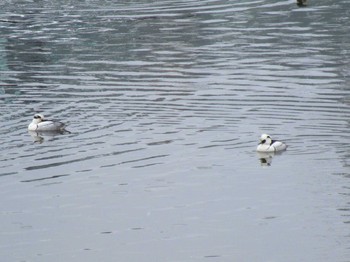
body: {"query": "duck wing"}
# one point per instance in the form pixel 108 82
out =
pixel 48 125
pixel 279 145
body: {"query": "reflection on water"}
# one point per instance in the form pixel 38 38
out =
pixel 165 101
pixel 265 158
pixel 40 137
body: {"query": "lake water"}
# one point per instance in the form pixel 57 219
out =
pixel 165 102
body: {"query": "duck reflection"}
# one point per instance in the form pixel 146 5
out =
pixel 265 158
pixel 41 136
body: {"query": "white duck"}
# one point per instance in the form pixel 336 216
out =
pixel 41 124
pixel 268 145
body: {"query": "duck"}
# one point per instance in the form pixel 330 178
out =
pixel 301 3
pixel 39 123
pixel 268 145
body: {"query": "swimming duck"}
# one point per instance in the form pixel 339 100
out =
pixel 301 3
pixel 40 124
pixel 268 145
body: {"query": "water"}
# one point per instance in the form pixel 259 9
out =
pixel 165 102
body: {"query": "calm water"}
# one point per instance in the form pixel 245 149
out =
pixel 165 101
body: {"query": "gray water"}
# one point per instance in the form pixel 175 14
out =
pixel 165 102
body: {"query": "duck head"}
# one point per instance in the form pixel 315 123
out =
pixel 38 118
pixel 265 139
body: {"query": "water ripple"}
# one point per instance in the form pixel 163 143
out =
pixel 171 69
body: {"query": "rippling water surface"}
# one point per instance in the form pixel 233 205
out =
pixel 165 102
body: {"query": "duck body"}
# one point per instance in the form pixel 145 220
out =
pixel 268 145
pixel 40 124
